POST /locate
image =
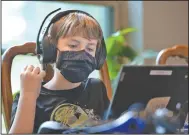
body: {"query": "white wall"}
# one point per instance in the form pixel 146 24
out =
pixel 165 24
pixel 162 24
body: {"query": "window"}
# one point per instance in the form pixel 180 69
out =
pixel 21 21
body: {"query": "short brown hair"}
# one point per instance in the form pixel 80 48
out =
pixel 76 24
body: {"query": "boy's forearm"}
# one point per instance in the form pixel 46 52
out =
pixel 25 115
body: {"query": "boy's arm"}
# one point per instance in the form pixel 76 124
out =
pixel 31 79
pixel 23 121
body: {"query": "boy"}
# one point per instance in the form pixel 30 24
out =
pixel 70 97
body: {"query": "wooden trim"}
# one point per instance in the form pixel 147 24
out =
pixel 104 74
pixel 104 3
pixel 177 50
pixel 5 114
pixel 6 88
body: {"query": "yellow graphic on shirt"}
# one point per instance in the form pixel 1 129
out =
pixel 69 115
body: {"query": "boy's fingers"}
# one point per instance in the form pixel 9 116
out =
pixel 30 68
pixel 42 73
pixel 36 70
pixel 25 68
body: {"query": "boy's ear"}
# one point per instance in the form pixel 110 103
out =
pixel 49 50
pixel 101 54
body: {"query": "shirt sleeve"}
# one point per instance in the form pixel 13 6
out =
pixel 14 107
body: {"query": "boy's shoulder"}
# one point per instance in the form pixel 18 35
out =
pixel 96 84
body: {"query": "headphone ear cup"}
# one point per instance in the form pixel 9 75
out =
pixel 49 51
pixel 101 55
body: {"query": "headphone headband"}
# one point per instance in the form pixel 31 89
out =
pixel 38 48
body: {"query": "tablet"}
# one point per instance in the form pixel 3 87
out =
pixel 140 84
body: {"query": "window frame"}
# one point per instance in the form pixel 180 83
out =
pixel 114 4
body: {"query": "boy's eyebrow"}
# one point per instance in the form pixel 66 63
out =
pixel 75 40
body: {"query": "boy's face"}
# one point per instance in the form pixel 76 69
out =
pixel 77 43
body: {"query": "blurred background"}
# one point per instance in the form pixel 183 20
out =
pixel 142 28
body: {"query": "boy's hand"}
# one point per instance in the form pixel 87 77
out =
pixel 31 79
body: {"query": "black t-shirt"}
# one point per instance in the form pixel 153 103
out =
pixel 70 107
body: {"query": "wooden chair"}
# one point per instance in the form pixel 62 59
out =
pixel 7 59
pixel 177 50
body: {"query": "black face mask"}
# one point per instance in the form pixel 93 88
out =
pixel 75 66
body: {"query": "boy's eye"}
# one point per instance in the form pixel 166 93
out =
pixel 72 46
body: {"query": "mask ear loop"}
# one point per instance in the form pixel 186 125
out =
pixel 58 53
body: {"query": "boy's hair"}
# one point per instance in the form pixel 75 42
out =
pixel 76 24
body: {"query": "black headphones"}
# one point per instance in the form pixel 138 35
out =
pixel 47 52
